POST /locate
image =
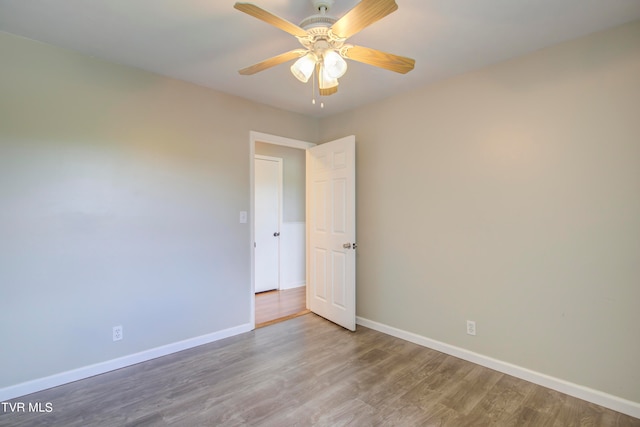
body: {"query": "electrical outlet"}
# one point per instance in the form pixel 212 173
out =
pixel 471 327
pixel 117 333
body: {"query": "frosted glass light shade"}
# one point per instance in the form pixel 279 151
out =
pixel 303 67
pixel 334 65
pixel 326 81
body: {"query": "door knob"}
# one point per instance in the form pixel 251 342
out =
pixel 276 234
pixel 347 246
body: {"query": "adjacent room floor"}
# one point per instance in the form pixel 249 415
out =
pixel 307 372
pixel 276 306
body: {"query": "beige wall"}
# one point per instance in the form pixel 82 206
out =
pixel 120 192
pixel 511 196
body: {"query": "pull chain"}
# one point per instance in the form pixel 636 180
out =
pixel 313 87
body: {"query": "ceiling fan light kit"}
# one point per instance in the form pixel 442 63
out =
pixel 303 68
pixel 327 85
pixel 323 39
pixel 333 64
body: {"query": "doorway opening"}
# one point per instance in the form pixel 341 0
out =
pixel 280 305
pixel 288 297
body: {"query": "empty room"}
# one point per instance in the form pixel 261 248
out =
pixel 464 234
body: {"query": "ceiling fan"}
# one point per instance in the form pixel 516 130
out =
pixel 323 39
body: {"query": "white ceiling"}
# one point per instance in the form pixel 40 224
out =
pixel 206 42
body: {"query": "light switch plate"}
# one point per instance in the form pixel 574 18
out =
pixel 243 217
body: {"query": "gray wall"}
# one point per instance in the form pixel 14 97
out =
pixel 293 179
pixel 119 200
pixel 511 196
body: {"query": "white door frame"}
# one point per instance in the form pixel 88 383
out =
pixel 269 139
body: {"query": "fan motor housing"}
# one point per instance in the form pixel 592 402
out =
pixel 317 21
pixel 320 19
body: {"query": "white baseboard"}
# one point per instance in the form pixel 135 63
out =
pixel 293 285
pixel 581 392
pixel 40 384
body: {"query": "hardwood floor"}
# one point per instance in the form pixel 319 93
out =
pixel 276 306
pixel 308 371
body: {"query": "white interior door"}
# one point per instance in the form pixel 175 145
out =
pixel 268 196
pixel 331 233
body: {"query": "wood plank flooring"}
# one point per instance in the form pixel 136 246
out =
pixel 276 306
pixel 309 372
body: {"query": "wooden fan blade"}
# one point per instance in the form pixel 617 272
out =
pixel 272 62
pixel 270 18
pixel 328 91
pixel 362 15
pixel 388 61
